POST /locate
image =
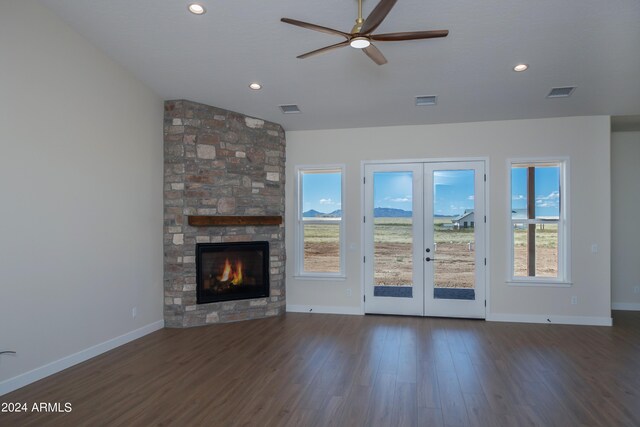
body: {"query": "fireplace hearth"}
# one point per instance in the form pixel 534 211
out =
pixel 231 271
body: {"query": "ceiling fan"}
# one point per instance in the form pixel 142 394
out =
pixel 360 36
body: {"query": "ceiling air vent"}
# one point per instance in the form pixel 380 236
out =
pixel 426 100
pixel 561 92
pixel 290 109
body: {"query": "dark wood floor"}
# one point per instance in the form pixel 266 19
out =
pixel 320 370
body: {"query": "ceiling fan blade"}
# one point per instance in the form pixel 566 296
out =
pixel 315 27
pixel 411 35
pixel 377 15
pixel 323 50
pixel 374 53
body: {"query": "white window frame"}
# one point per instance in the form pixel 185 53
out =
pixel 301 221
pixel 564 238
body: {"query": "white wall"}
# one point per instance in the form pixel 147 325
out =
pixel 80 197
pixel 585 140
pixel 625 230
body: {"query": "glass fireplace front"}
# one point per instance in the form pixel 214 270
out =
pixel 232 271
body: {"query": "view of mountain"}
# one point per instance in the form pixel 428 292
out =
pixel 391 213
pixel 312 213
pixel 377 213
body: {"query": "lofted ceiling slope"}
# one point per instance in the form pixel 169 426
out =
pixel 591 44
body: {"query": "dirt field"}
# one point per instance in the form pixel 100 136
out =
pixel 453 267
pixel 393 264
pixel 546 251
pixel 321 257
pixel 546 261
pixel 455 262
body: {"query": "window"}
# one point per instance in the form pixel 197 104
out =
pixel 538 228
pixel 320 229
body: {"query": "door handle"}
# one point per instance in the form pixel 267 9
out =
pixel 427 259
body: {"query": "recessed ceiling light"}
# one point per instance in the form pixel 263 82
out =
pixel 520 67
pixel 255 86
pixel 359 42
pixel 197 9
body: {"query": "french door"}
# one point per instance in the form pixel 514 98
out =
pixel 425 239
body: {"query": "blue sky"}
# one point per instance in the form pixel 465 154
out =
pixel 453 191
pixel 393 190
pixel 321 192
pixel 547 191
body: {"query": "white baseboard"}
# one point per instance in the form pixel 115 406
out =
pixel 492 317
pixel 629 306
pixel 325 309
pixel 550 319
pixel 34 375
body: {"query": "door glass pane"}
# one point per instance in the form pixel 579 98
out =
pixel 393 234
pixel 453 252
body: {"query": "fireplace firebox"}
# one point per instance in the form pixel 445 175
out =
pixel 232 271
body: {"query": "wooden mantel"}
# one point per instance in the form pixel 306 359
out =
pixel 213 221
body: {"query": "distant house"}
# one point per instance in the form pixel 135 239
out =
pixel 466 220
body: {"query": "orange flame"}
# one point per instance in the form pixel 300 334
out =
pixel 226 272
pixel 229 274
pixel 237 275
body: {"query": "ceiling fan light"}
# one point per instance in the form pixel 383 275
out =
pixel 360 42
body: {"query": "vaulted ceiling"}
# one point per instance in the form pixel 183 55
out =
pixel 591 44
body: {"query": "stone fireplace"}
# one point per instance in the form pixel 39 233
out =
pixel 221 164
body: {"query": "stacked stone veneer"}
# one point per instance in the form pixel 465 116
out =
pixel 218 162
